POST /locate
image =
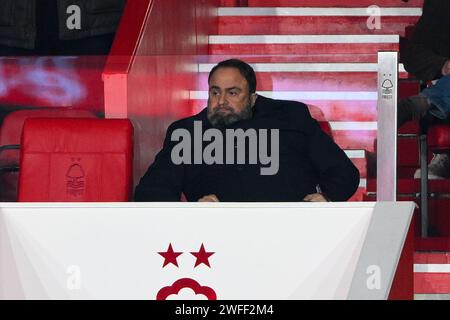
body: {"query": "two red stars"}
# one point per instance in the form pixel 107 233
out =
pixel 170 256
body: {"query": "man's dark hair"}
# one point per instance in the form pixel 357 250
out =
pixel 245 69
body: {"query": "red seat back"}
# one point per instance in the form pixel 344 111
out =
pixel 76 160
pixel 10 133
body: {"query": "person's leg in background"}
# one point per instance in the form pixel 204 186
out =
pixel 433 101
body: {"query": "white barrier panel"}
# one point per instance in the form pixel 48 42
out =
pixel 220 250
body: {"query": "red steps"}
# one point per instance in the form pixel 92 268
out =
pixel 313 84
pixel 355 139
pixel 297 58
pixel 408 152
pixel 336 94
pixel 311 81
pixel 431 283
pixel 425 282
pixel 329 3
pixel 320 3
pixel 332 110
pixel 432 258
pixel 408 147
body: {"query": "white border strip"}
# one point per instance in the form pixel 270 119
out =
pixel 321 95
pixel 305 95
pixel 344 12
pixel 304 39
pixel 304 67
pixel 150 205
pixel 355 154
pixel 432 268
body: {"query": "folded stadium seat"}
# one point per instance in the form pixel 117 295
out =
pixel 317 113
pixel 76 160
pixel 10 133
pixel 439 138
pixel 434 139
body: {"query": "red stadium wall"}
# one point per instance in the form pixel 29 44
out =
pixel 54 81
pixel 151 67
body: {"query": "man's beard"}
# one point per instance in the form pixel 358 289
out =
pixel 220 120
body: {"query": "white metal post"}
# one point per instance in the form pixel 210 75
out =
pixel 387 126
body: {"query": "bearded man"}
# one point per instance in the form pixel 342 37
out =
pixel 222 153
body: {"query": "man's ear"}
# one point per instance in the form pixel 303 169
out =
pixel 253 98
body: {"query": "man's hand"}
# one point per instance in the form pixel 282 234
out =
pixel 446 68
pixel 209 198
pixel 315 197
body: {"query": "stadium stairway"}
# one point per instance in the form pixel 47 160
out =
pixel 324 53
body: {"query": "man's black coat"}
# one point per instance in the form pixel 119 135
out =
pixel 307 158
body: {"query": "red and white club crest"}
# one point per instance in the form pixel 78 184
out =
pixel 170 258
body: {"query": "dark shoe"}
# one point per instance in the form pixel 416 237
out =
pixel 412 108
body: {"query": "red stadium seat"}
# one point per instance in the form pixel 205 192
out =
pixel 439 138
pixel 76 160
pixel 10 133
